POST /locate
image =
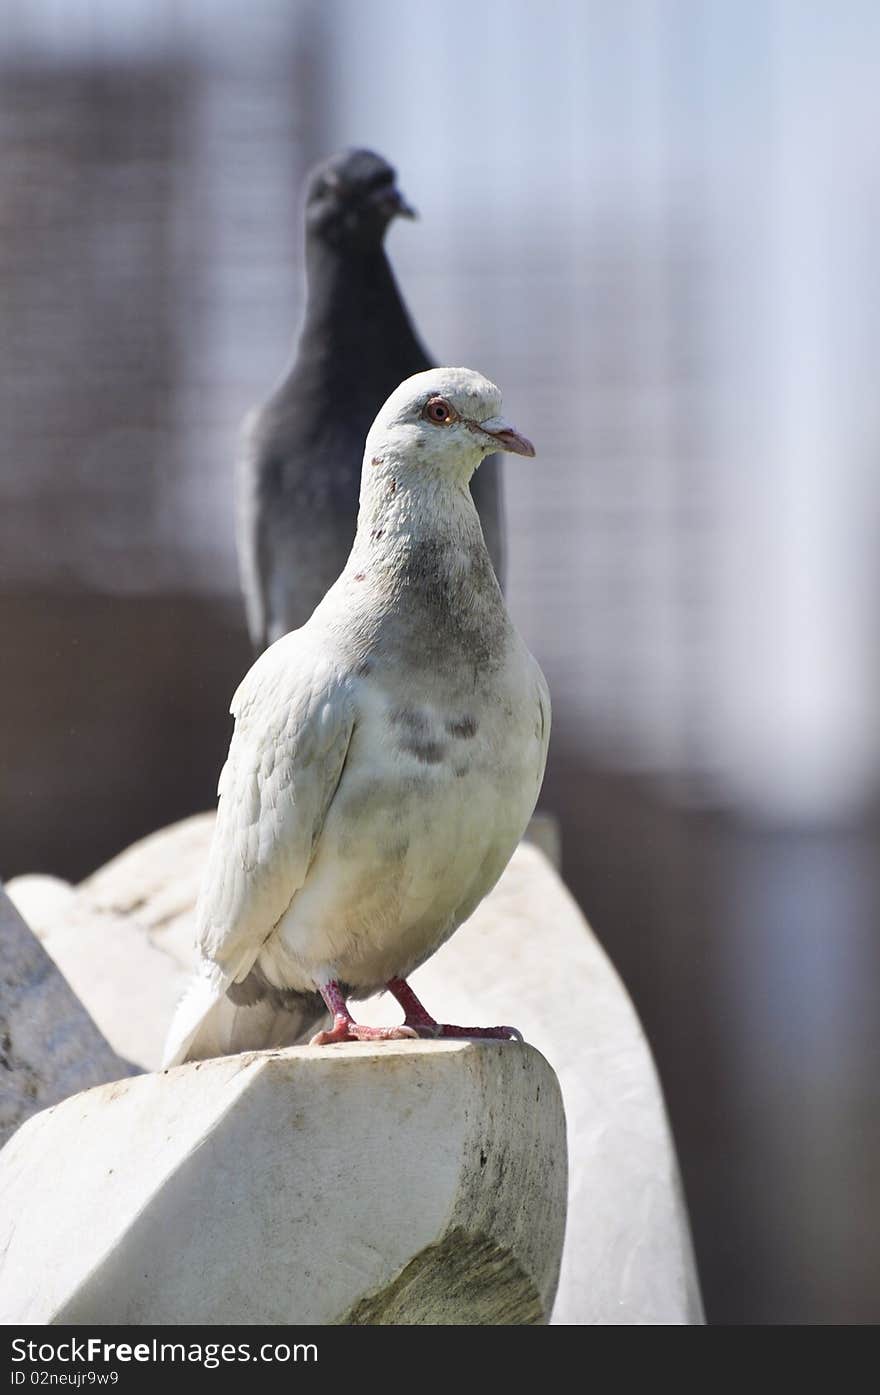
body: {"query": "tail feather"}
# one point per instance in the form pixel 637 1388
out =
pixel 195 1009
pixel 207 1023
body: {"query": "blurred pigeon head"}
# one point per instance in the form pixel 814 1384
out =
pixel 351 198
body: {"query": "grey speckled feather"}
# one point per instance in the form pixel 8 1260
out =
pixel 386 757
pixel 299 472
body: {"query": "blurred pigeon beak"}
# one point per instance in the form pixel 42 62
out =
pixel 505 437
pixel 394 205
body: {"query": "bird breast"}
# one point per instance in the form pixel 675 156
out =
pixel 435 794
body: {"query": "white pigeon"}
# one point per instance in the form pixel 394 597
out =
pixel 386 757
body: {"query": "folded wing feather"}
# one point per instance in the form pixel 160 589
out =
pixel 294 718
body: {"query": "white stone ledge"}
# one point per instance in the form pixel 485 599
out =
pixel 49 1046
pixel 406 1182
pixel 528 957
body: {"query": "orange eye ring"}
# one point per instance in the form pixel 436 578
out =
pixel 439 412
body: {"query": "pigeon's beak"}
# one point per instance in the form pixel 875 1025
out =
pixel 394 205
pixel 505 437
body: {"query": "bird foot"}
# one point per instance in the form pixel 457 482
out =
pixel 434 1030
pixel 344 1029
pixel 420 1020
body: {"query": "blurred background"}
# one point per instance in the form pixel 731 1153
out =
pixel 656 224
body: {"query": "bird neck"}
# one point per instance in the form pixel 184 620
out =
pixel 419 582
pixel 353 302
pixel 420 533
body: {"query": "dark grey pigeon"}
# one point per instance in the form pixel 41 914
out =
pixel 299 476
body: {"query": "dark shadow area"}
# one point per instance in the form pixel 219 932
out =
pixel 752 956
pixel 112 724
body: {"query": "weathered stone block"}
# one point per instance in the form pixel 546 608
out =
pixel 526 956
pixel 49 1046
pixel 409 1182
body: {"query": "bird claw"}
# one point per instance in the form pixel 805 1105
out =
pixel 433 1031
pixel 345 1030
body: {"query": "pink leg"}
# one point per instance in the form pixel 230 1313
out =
pixel 346 1029
pixel 420 1020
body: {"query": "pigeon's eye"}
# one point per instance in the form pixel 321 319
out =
pixel 439 411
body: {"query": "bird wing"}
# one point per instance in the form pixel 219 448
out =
pixel 542 727
pixel 250 528
pixel 294 718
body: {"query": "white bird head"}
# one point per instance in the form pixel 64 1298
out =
pixel 443 422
